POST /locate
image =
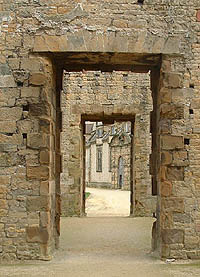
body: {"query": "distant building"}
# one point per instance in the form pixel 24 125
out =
pixel 108 155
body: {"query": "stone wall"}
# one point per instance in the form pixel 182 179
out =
pixel 38 39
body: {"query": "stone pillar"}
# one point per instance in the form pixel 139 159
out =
pixel 27 160
pixel 176 178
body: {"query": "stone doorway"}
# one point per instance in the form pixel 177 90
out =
pixel 104 140
pixel 80 112
pixel 168 144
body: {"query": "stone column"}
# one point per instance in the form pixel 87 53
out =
pixel 177 198
pixel 27 166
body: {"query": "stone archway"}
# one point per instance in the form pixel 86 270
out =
pixel 136 62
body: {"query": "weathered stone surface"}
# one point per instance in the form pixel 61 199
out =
pixel 37 79
pixel 166 188
pixel 36 141
pixel 30 92
pixel 173 80
pixel 180 158
pixel 8 127
pixel 44 157
pixel 44 219
pixel 169 142
pixel 14 113
pixel 32 64
pixel 175 173
pixel 38 203
pixel 37 234
pixel 7 81
pixel 38 172
pixel 173 204
pixel 44 188
pixel 166 158
pixel 173 236
pixel 171 111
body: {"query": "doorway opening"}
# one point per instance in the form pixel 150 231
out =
pixel 108 182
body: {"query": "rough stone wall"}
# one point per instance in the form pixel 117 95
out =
pixel 46 26
pixel 27 170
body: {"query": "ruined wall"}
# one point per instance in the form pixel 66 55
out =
pixel 46 26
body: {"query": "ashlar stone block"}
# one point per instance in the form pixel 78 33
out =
pixel 169 142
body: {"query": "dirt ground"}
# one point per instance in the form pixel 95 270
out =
pixel 103 247
pixel 106 202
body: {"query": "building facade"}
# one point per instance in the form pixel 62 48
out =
pixel 108 156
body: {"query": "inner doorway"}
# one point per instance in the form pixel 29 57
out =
pixel 105 147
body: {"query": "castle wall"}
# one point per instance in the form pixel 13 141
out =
pixel 38 39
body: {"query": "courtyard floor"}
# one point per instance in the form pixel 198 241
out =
pixel 103 247
pixel 106 202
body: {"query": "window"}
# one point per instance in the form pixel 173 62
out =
pixel 99 132
pixel 99 159
pixel 127 127
pixel 113 130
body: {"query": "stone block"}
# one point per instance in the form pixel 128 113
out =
pixel 25 126
pixel 175 173
pixel 171 111
pixel 172 46
pixel 166 188
pixel 30 92
pixel 44 219
pixel 165 95
pixel 10 114
pixel 7 81
pixel 172 80
pixel 5 180
pixel 44 157
pixel 36 141
pixel 173 204
pixel 172 236
pixel 37 234
pixel 180 158
pixel 40 109
pixel 3 204
pixel 51 43
pixel 182 218
pixel 8 159
pixel 166 158
pixel 31 64
pixel 33 218
pixel 8 127
pixel 195 103
pixel 169 142
pixel 14 63
pixel 37 79
pixel 38 203
pixel 38 172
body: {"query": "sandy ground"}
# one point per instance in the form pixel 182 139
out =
pixel 105 202
pixel 103 247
